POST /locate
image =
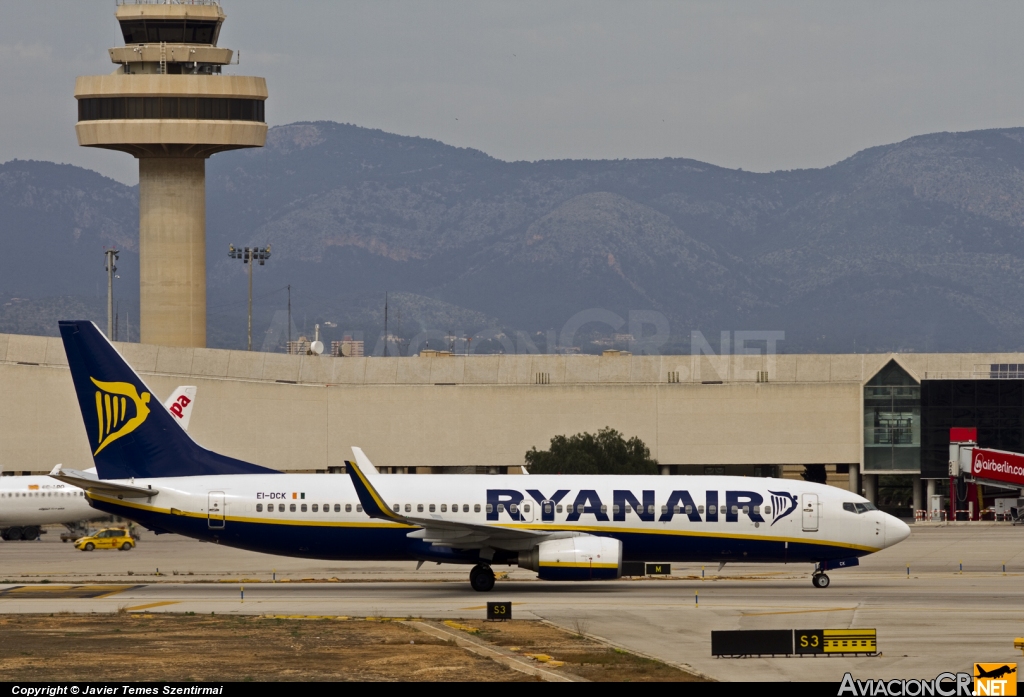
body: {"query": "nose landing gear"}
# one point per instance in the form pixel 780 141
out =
pixel 481 578
pixel 819 580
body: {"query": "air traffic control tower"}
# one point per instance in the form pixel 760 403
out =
pixel 169 105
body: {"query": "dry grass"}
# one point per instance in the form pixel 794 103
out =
pixel 177 647
pixel 582 656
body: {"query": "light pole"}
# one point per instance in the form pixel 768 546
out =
pixel 111 256
pixel 250 255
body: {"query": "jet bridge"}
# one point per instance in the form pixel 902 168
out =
pixel 971 464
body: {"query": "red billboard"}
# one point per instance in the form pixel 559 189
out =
pixel 998 466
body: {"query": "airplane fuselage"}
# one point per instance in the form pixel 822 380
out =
pixel 41 500
pixel 663 518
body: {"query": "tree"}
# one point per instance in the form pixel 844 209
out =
pixel 608 452
pixel 815 473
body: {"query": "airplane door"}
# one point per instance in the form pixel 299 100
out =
pixel 215 511
pixel 810 509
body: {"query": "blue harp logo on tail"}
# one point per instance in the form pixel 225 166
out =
pixel 783 503
pixel 119 411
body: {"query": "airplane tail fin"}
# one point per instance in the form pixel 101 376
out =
pixel 130 434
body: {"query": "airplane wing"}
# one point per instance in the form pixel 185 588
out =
pixel 437 529
pixel 93 484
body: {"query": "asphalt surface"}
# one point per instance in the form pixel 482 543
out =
pixel 936 619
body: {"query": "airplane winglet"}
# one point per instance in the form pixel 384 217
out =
pixel 373 503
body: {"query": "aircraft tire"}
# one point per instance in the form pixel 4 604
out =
pixel 820 580
pixel 13 534
pixel 30 533
pixel 481 578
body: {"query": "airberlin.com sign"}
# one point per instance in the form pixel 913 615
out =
pixel 998 466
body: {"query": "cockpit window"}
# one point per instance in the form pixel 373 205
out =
pixel 860 507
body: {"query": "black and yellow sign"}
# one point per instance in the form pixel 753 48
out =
pixel 659 569
pixel 794 641
pixel 499 611
pixel 835 641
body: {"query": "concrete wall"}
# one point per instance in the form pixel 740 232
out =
pixel 304 412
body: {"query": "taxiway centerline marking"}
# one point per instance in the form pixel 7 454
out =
pixel 799 612
pixel 133 608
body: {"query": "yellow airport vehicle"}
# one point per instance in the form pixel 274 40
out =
pixel 109 538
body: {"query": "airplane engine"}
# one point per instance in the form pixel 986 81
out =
pixel 584 558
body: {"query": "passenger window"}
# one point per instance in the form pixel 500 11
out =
pixel 558 508
pixel 476 508
pixel 512 508
pixel 767 510
pixel 615 509
pixel 547 507
pixel 526 507
pixel 359 507
pixel 419 507
pixel 757 509
pixel 259 507
pixel 650 509
pixel 348 508
pixel 316 509
pixel 746 510
pixel 712 510
pixel 604 508
pixel 432 508
pixel 689 510
pixel 664 509
pixel 579 508
pixel 291 508
pixel 734 510
pixel 501 508
pixel 303 508
pixel 408 508
pixel 280 508
pixel 465 508
pixel 398 509
pixel 444 508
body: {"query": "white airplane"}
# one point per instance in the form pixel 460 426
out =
pixel 28 502
pixel 577 527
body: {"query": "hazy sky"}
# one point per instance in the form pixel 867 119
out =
pixel 757 85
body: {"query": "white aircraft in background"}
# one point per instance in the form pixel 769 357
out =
pixel 577 527
pixel 28 502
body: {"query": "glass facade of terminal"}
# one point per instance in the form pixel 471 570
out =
pixel 892 421
pixel 906 423
pixel 994 406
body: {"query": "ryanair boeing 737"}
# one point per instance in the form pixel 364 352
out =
pixel 579 527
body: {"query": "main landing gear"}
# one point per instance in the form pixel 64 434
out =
pixel 819 580
pixel 481 578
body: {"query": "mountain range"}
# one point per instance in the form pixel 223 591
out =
pixel 913 246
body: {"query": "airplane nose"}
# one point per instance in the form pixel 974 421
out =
pixel 895 530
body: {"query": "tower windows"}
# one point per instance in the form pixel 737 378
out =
pixel 205 108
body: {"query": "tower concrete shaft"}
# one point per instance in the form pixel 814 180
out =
pixel 172 250
pixel 170 106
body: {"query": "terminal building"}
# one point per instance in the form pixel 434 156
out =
pixel 860 415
